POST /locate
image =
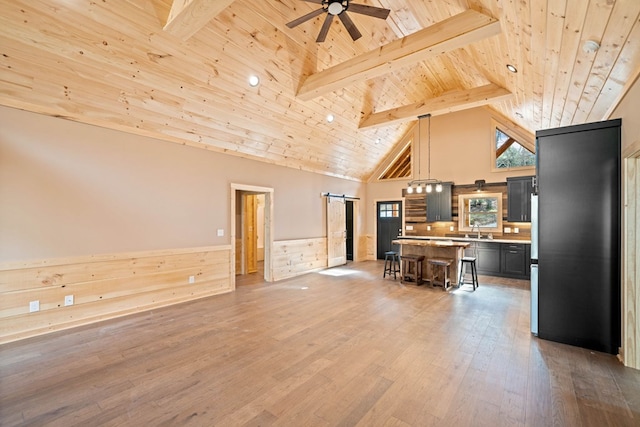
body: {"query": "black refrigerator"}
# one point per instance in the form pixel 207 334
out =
pixel 578 186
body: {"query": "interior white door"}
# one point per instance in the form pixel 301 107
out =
pixel 336 231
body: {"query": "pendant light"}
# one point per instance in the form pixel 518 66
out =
pixel 429 183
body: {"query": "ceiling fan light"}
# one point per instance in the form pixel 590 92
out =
pixel 335 8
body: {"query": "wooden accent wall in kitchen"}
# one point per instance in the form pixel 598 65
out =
pixel 105 286
pixel 416 214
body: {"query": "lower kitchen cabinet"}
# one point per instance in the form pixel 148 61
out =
pixel 513 260
pixel 501 259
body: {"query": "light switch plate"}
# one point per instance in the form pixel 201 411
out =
pixel 220 232
pixel 68 300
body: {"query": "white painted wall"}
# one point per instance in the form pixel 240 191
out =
pixel 69 189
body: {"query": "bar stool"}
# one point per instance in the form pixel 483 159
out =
pixel 411 269
pixel 391 264
pixel 470 260
pixel 440 272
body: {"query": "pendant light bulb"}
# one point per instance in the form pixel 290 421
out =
pixel 439 188
pixel 409 189
pixel 429 188
pixel 419 189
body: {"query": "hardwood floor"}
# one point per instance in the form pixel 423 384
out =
pixel 343 347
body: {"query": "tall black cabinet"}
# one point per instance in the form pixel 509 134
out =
pixel 578 177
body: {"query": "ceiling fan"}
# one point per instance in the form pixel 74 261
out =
pixel 339 8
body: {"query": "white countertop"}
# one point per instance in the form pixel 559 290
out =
pixel 468 239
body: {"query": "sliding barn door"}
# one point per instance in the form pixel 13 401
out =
pixel 336 231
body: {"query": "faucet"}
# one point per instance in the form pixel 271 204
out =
pixel 475 224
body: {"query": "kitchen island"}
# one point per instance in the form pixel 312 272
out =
pixel 430 248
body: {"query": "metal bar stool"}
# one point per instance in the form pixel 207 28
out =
pixel 440 272
pixel 391 264
pixel 411 269
pixel 471 261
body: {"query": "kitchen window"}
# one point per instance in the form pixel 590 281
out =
pixel 480 212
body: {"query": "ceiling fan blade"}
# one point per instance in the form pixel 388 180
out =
pixel 304 18
pixel 376 12
pixel 350 26
pixel 325 28
pixel 313 1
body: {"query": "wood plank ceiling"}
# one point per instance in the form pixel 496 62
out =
pixel 178 70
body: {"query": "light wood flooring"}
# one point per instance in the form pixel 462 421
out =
pixel 343 347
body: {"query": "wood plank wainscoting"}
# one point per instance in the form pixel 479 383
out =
pixel 105 286
pixel 300 256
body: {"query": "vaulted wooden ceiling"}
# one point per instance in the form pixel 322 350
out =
pixel 178 70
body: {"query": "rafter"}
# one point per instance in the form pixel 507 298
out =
pixel 451 101
pixel 504 147
pixel 188 16
pixel 452 33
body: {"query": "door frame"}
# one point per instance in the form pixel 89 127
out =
pixel 630 286
pixel 268 228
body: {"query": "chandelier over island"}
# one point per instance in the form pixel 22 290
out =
pixel 429 184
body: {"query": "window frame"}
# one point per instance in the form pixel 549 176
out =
pixel 393 207
pixel 463 212
pixel 526 141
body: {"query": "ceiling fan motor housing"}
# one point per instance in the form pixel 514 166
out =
pixel 335 7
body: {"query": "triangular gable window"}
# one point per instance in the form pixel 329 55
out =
pixel 401 166
pixel 510 153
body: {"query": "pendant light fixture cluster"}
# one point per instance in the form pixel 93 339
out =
pixel 429 184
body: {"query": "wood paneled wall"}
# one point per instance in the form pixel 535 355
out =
pixel 105 286
pixel 296 257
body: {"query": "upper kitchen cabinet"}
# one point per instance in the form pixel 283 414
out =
pixel 519 192
pixel 439 204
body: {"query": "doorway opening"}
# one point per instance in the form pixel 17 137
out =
pixel 349 226
pixel 251 233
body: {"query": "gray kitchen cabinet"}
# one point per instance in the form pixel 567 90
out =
pixel 439 204
pixel 501 259
pixel 519 192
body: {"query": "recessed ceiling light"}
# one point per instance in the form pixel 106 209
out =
pixel 378 141
pixel 590 46
pixel 512 68
pixel 330 118
pixel 254 81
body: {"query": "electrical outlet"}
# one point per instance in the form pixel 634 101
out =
pixel 220 232
pixel 34 306
pixel 68 300
pixel 192 279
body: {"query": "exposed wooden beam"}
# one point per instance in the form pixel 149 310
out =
pixel 504 147
pixel 188 16
pixel 451 101
pixel 452 33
